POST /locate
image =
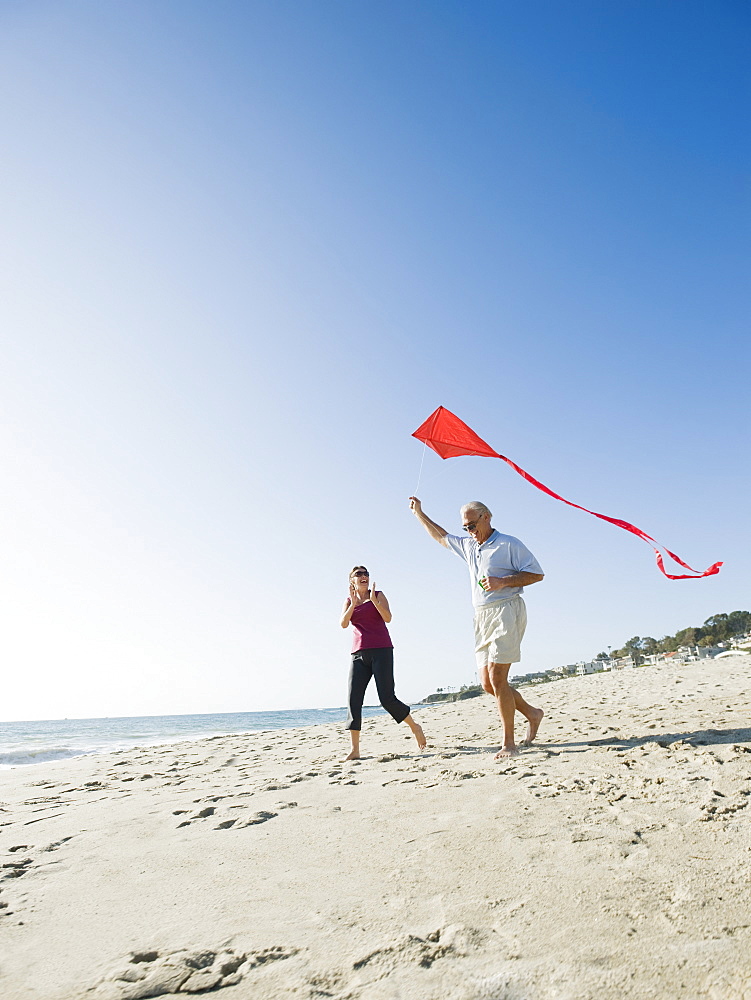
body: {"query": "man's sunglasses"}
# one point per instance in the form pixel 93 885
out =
pixel 471 526
pixel 361 572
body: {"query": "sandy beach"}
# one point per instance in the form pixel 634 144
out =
pixel 611 860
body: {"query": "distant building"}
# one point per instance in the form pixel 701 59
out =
pixel 622 663
pixel 688 653
pixel 564 671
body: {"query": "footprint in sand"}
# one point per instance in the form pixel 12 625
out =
pixel 413 950
pixel 58 843
pixel 259 817
pixel 201 814
pixel 722 808
pixel 151 974
pixel 233 822
pixel 16 869
pixel 19 867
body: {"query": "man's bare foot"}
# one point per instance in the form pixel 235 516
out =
pixel 353 756
pixel 504 752
pixel 419 735
pixel 533 725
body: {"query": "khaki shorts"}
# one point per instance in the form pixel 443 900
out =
pixel 499 629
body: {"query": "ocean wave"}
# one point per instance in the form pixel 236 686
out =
pixel 17 758
pixel 39 742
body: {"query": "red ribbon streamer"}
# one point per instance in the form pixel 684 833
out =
pixel 449 437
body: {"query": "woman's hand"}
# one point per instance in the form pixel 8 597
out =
pixel 381 604
pixel 354 595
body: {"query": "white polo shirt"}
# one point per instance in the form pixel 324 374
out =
pixel 499 555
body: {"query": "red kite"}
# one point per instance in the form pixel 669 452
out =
pixel 449 437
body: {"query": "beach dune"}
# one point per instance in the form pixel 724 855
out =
pixel 610 860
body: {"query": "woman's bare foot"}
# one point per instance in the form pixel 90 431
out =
pixel 533 725
pixel 417 732
pixel 354 755
pixel 504 752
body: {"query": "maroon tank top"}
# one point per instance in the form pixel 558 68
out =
pixel 370 630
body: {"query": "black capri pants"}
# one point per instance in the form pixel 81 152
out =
pixel 378 663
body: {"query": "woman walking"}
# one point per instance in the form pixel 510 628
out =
pixel 367 611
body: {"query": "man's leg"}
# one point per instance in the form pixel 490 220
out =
pixel 533 715
pixel 504 695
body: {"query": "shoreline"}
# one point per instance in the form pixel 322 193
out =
pixel 586 868
pixel 62 730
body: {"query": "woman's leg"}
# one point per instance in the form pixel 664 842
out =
pixel 360 672
pixel 383 671
pixel 354 753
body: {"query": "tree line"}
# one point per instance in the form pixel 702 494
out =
pixel 718 628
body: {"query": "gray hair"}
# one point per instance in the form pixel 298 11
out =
pixel 476 508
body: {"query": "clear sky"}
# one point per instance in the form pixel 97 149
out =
pixel 249 246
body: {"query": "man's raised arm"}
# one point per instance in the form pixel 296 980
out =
pixel 433 529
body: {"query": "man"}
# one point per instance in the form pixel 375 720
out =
pixel 500 566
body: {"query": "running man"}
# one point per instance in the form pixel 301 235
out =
pixel 500 566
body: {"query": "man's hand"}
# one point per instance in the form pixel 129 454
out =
pixel 433 529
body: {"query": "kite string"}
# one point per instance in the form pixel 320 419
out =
pixel 419 476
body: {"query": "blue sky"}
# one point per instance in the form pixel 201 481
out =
pixel 249 247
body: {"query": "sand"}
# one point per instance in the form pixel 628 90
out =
pixel 611 860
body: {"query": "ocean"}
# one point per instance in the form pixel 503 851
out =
pixel 32 743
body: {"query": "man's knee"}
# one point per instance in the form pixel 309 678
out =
pixel 498 675
pixel 482 673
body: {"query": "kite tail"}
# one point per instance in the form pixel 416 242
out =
pixel 694 574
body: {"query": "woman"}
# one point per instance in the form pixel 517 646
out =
pixel 367 611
